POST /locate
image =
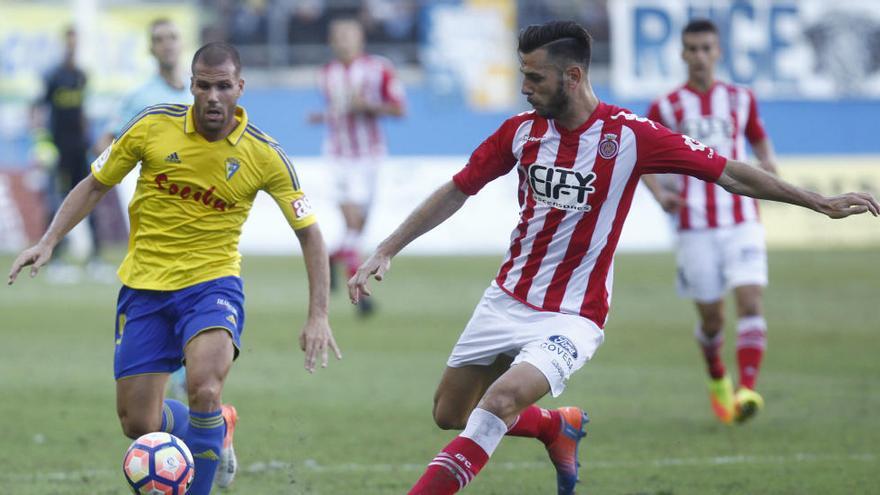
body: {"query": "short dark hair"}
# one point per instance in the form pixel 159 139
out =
pixel 215 53
pixel 699 25
pixel 563 40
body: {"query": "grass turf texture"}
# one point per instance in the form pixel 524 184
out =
pixel 363 426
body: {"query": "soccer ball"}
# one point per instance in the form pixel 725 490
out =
pixel 158 463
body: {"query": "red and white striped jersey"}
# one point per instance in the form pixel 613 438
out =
pixel 723 117
pixel 575 190
pixel 372 79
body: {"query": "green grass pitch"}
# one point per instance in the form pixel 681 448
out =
pixel 363 426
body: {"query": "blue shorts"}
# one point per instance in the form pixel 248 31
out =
pixel 154 326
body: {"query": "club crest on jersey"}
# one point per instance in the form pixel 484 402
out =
pixel 232 166
pixel 608 146
pixel 561 188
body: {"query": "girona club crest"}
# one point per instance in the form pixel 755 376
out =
pixel 608 146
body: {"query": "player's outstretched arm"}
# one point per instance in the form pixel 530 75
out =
pixel 316 337
pixel 79 202
pixel 741 178
pixel 439 206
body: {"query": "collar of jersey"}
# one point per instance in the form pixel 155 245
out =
pixel 234 137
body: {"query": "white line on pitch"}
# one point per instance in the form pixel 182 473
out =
pixel 314 466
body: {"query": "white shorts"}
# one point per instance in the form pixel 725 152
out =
pixel 713 261
pixel 557 344
pixel 355 179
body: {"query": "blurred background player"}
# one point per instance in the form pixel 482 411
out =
pixel 64 97
pixel 182 294
pixel 721 243
pixel 358 89
pixel 166 86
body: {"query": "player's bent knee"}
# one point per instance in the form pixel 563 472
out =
pixel 205 396
pixel 448 418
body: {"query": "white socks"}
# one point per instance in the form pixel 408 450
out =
pixel 485 429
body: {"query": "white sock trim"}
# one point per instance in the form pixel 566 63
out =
pixel 485 429
pixel 747 323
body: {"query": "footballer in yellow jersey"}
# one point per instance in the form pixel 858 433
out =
pixel 193 196
pixel 182 298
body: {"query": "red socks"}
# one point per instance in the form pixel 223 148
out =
pixel 535 422
pixel 751 341
pixel 348 257
pixel 452 469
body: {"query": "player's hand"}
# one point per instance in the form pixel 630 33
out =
pixel 670 202
pixel 35 256
pixel 316 339
pixel 850 204
pixel 375 266
pixel 360 106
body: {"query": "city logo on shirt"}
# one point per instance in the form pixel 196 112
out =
pixel 172 158
pixel 232 166
pixel 608 146
pixel 561 188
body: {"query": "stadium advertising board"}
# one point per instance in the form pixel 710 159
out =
pixel 483 226
pixel 797 228
pixel 787 49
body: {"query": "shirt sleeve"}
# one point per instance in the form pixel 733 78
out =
pixel 754 126
pixel 123 153
pixel 661 151
pixel 283 185
pixel 654 112
pixel 492 159
pixel 392 89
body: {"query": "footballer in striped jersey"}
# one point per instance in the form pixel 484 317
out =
pixel 579 161
pixel 720 241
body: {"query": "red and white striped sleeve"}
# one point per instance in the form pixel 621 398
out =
pixel 661 151
pixel 654 112
pixel 754 126
pixel 492 159
pixel 391 87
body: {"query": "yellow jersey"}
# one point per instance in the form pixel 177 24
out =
pixel 193 196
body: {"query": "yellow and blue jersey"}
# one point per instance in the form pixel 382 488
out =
pixel 193 196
